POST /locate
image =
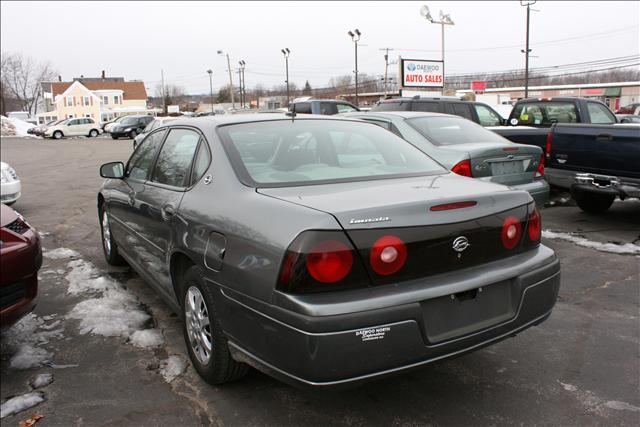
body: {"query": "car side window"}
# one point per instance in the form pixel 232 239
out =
pixel 486 116
pixel 175 158
pixel 303 107
pixel 429 107
pixel 141 160
pixel 599 114
pixel 328 108
pixel 462 110
pixel 345 108
pixel 201 164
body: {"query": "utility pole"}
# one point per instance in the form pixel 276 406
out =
pixel 386 67
pixel 210 72
pixel 164 107
pixel 526 50
pixel 233 102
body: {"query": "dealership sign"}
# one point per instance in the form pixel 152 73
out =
pixel 419 73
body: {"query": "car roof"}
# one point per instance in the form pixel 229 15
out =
pixel 402 114
pixel 227 119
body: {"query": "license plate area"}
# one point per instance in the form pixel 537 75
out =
pixel 456 315
pixel 507 168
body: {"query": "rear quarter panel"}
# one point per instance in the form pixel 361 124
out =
pixel 257 228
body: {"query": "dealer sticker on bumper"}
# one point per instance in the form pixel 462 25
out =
pixel 373 333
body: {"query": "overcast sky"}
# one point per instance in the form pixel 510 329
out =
pixel 136 40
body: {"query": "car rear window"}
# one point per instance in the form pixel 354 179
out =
pixel 443 130
pixel 306 151
pixel 392 106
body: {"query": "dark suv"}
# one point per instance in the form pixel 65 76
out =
pixel 474 111
pixel 130 126
pixel 326 107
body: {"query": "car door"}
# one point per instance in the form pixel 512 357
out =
pixel 157 206
pixel 73 127
pixel 123 201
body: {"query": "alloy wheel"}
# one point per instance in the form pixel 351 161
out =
pixel 106 233
pixel 198 325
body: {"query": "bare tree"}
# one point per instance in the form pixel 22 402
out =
pixel 173 94
pixel 22 78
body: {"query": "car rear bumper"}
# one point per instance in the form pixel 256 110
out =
pixel 10 191
pixel 594 183
pixel 539 190
pixel 316 341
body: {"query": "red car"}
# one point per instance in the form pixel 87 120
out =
pixel 20 260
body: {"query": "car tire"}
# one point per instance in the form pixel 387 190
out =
pixel 93 133
pixel 206 344
pixel 113 136
pixel 109 246
pixel 593 202
pixel 57 135
pixel 133 134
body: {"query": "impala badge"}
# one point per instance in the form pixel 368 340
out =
pixel 460 244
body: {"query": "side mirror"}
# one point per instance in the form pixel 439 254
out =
pixel 113 170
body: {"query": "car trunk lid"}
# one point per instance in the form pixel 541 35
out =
pixel 507 164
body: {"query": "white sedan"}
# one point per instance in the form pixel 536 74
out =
pixel 10 187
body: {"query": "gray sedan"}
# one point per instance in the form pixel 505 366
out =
pixel 322 251
pixel 468 149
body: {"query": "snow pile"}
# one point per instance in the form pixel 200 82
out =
pixel 60 253
pixel 20 403
pixel 627 248
pixel 14 127
pixel 113 312
pixel 172 367
pixel 25 338
pixel 41 380
pixel 147 338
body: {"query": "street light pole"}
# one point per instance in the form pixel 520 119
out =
pixel 445 19
pixel 526 50
pixel 210 71
pixel 355 38
pixel 286 53
pixel 243 89
pixel 386 67
pixel 233 102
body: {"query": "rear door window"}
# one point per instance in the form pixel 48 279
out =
pixel 462 110
pixel 174 161
pixel 429 107
pixel 600 114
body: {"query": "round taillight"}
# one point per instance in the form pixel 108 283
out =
pixel 511 232
pixel 535 225
pixel 388 255
pixel 329 261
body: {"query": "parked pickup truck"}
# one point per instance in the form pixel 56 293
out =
pixel 595 162
pixel 531 118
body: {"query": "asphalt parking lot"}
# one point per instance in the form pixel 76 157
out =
pixel 580 367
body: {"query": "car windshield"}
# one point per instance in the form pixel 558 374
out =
pixel 306 151
pixel 445 130
pixel 129 121
pixel 62 122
